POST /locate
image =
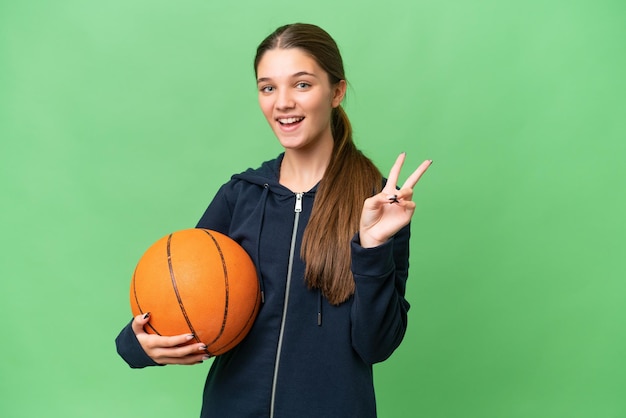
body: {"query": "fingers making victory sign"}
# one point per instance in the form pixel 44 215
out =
pixel 387 212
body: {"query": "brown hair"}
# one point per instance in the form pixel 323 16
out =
pixel 349 179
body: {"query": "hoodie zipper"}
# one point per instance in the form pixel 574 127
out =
pixel 297 210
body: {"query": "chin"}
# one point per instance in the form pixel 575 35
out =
pixel 290 142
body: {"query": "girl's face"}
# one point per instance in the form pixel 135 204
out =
pixel 297 98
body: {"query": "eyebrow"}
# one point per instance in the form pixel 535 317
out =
pixel 298 74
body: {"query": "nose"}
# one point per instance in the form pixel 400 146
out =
pixel 284 100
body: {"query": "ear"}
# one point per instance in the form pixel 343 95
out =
pixel 339 92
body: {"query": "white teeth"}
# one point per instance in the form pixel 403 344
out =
pixel 286 121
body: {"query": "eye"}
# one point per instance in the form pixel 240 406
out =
pixel 302 85
pixel 266 89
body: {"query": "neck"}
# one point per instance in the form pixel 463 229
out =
pixel 301 170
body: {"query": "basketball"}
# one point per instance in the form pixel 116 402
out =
pixel 200 282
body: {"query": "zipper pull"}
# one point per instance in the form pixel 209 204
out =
pixel 299 202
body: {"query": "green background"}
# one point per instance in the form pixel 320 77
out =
pixel 120 119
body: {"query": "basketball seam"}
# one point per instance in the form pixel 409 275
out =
pixel 149 325
pixel 175 287
pixel 226 287
pixel 236 338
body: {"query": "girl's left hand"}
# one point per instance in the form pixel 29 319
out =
pixel 390 210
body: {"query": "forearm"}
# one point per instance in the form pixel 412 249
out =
pixel 379 311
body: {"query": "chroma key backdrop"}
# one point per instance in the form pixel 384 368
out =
pixel 119 120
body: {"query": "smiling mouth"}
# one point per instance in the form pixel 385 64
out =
pixel 290 121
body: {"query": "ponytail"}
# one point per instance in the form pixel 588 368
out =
pixel 349 179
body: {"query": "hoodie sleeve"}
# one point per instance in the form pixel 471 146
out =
pixel 379 311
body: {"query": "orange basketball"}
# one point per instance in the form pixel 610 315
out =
pixel 200 282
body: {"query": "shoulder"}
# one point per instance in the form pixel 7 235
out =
pixel 252 178
pixel 268 170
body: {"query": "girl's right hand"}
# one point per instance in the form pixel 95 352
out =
pixel 168 350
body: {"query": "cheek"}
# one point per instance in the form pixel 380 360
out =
pixel 324 111
pixel 321 106
pixel 266 107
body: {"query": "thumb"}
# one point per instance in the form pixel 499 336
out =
pixel 139 321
